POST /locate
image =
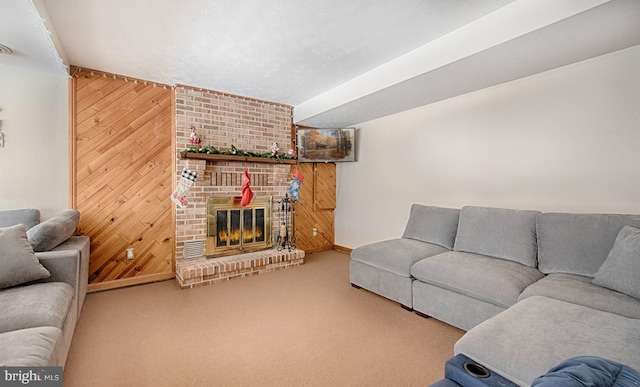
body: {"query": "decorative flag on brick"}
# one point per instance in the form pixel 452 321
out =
pixel 294 189
pixel 179 196
pixel 247 194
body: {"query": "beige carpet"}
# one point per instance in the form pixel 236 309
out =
pixel 303 326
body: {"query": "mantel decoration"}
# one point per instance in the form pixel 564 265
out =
pixel 194 138
pixel 247 194
pixel 212 150
pixel 294 188
pixel 179 196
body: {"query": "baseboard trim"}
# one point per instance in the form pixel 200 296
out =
pixel 342 249
pixel 122 283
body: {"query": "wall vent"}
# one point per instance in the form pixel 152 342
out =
pixel 193 249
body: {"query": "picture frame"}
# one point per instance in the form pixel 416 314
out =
pixel 326 145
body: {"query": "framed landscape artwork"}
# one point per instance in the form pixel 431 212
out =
pixel 326 145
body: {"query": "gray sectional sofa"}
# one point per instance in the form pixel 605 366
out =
pixel 531 289
pixel 43 283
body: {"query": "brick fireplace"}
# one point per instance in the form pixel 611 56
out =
pixel 223 120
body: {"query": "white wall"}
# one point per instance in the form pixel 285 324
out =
pixel 34 120
pixel 565 140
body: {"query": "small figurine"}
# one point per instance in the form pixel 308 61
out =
pixel 291 152
pixel 274 148
pixel 193 137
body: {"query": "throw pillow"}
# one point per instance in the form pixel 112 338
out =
pixel 18 263
pixel 50 233
pixel 621 270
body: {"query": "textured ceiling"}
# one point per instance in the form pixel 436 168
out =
pixel 337 62
pixel 285 51
pixel 602 30
pixel 24 30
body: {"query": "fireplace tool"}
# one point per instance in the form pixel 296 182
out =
pixel 286 238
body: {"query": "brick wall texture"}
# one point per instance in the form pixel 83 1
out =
pixel 223 120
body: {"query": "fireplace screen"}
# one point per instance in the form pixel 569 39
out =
pixel 233 229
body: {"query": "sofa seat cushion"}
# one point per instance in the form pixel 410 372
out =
pixel 493 280
pixel 31 347
pixel 537 333
pixel 36 305
pixel 579 290
pixel 395 255
pixel 498 232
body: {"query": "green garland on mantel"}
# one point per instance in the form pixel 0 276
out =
pixel 212 150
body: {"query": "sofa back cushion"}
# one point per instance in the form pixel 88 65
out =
pixel 578 243
pixel 430 224
pixel 498 232
pixel 28 216
pixel 50 233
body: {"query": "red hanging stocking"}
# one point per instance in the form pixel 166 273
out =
pixel 247 194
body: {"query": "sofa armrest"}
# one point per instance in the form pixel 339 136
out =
pixel 81 244
pixel 63 266
pixel 69 262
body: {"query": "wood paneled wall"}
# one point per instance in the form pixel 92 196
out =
pixel 122 136
pixel 315 209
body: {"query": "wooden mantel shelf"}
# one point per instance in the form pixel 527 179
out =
pixel 249 159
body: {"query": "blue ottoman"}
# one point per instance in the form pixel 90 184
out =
pixel 445 383
pixel 460 370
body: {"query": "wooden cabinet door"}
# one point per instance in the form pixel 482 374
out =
pixel 315 210
pixel 324 186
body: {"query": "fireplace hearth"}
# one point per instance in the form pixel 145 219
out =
pixel 233 229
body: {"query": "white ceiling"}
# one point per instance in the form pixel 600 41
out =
pixel 338 62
